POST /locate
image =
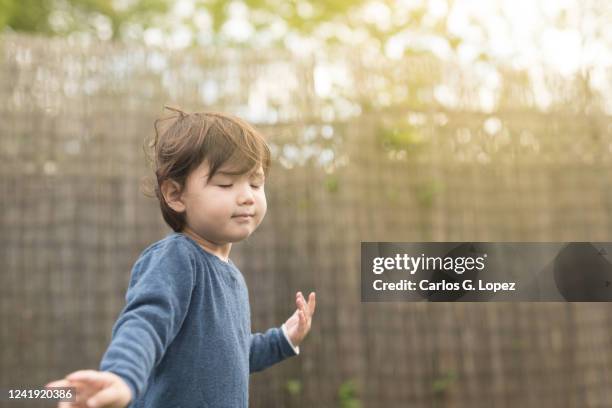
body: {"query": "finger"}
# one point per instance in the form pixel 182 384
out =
pixel 81 391
pixel 303 322
pixel 90 376
pixel 298 302
pixel 85 389
pixel 64 384
pixel 58 383
pixel 302 305
pixel 104 397
pixel 312 302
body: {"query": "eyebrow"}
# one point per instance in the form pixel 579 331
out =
pixel 258 174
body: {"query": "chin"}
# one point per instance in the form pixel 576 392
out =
pixel 240 237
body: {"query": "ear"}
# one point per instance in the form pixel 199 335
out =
pixel 172 193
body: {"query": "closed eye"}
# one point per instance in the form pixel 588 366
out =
pixel 255 186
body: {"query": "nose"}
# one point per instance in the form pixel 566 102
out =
pixel 245 195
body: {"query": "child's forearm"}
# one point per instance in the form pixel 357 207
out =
pixel 268 349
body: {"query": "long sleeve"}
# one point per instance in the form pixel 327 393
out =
pixel 296 349
pixel 268 349
pixel 157 301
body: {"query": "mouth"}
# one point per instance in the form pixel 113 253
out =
pixel 243 216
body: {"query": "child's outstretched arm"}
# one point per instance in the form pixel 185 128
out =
pixel 277 344
pixel 157 302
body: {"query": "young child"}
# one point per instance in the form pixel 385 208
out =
pixel 184 337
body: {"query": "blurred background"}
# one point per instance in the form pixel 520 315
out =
pixel 388 120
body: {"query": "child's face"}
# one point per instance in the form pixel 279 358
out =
pixel 225 208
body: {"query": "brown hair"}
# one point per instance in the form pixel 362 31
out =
pixel 182 141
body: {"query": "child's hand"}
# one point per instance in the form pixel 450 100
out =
pixel 101 389
pixel 298 325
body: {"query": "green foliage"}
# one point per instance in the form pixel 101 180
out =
pixel 34 15
pixel 110 19
pixel 442 384
pixel 25 15
pixel 400 138
pixel 347 395
pixel 293 387
pixel 427 192
pixel 332 184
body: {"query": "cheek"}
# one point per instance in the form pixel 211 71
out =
pixel 262 203
pixel 214 202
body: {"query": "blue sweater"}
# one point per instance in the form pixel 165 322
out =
pixel 184 337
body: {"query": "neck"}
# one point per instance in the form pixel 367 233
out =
pixel 220 250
